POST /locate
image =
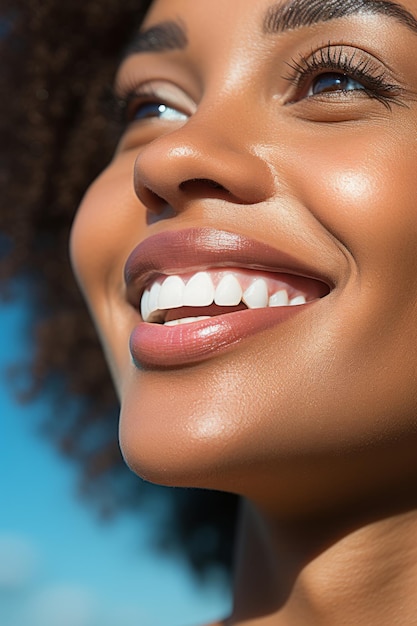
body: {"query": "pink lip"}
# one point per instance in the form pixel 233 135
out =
pixel 159 346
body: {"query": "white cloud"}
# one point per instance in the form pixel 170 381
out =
pixel 18 558
pixel 63 605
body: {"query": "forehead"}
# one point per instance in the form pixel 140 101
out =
pixel 206 11
pixel 215 22
pixel 190 9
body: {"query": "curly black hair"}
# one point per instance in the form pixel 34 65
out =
pixel 58 58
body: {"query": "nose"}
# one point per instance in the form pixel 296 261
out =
pixel 207 157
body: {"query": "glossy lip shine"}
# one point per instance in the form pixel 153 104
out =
pixel 159 346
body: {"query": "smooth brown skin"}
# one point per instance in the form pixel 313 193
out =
pixel 314 422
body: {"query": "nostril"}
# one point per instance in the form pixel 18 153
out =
pixel 151 200
pixel 157 208
pixel 201 182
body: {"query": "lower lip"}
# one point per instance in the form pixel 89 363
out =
pixel 159 346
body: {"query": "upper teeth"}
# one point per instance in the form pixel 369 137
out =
pixel 221 288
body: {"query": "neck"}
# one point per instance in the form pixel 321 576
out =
pixel 353 572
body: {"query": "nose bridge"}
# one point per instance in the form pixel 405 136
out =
pixel 216 147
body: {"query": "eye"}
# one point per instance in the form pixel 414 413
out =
pixel 137 103
pixel 333 81
pixel 158 110
pixel 330 73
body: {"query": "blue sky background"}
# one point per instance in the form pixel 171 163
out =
pixel 61 566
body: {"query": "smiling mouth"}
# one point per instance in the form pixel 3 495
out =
pixel 186 298
pixel 201 292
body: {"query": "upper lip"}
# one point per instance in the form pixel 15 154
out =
pixel 195 249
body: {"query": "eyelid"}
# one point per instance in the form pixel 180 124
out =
pixel 162 91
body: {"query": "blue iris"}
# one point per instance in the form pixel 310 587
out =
pixel 161 111
pixel 332 81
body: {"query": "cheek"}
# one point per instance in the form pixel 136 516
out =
pixel 107 226
pixel 365 194
pixel 109 223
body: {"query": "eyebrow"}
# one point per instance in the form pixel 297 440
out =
pixel 162 37
pixel 294 14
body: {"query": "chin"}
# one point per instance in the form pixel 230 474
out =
pixel 176 441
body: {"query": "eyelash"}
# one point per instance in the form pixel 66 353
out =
pixel 337 60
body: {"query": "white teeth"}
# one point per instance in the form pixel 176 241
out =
pixel 186 320
pixel 279 299
pixel 144 305
pixel 228 291
pixel 256 295
pixel 199 291
pixel 297 300
pixel 154 297
pixel 171 295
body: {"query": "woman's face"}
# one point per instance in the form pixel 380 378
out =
pixel 269 156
